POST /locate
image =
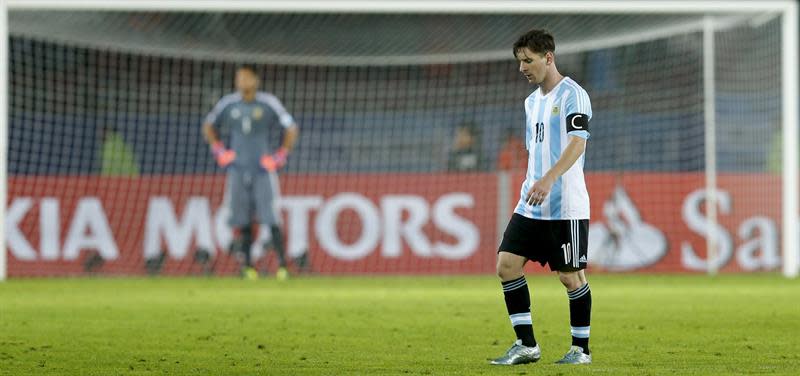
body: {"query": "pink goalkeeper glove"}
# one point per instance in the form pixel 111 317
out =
pixel 223 156
pixel 275 161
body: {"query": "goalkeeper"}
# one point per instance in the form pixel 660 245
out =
pixel 252 189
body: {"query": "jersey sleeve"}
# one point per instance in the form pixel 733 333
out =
pixel 284 116
pixel 578 113
pixel 215 115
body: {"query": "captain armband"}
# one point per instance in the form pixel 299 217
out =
pixel 577 122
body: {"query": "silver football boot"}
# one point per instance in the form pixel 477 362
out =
pixel 519 354
pixel 575 355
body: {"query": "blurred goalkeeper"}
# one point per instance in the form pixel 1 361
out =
pixel 252 189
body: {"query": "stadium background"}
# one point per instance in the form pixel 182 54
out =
pixel 109 178
pixel 377 118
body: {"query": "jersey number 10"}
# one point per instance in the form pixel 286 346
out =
pixel 539 136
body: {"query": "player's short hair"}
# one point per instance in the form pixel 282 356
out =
pixel 247 67
pixel 539 41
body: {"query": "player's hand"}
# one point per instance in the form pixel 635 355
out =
pixel 541 188
pixel 275 161
pixel 223 156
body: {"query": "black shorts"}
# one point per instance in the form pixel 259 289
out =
pixel 559 243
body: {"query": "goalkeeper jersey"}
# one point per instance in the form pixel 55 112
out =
pixel 250 125
pixel 550 120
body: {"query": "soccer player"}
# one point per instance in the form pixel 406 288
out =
pixel 551 221
pixel 252 189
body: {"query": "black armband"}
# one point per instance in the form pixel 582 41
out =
pixel 577 122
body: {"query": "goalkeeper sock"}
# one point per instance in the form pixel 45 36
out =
pixel 277 245
pixel 245 243
pixel 518 303
pixel 580 310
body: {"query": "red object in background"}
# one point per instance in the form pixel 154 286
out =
pixel 513 155
pixel 373 223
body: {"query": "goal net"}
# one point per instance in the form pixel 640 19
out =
pixel 411 149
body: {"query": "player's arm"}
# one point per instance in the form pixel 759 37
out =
pixel 291 131
pixel 577 131
pixel 275 161
pixel 210 134
pixel 541 188
pixel 223 156
pixel 290 137
pixel 211 122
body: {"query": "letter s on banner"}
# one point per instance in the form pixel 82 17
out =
pixel 447 220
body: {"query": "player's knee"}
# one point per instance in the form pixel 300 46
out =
pixel 570 280
pixel 507 270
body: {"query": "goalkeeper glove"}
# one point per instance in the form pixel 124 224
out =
pixel 275 161
pixel 223 156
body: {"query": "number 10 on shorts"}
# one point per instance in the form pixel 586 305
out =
pixel 568 252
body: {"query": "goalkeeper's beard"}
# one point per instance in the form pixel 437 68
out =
pixel 248 94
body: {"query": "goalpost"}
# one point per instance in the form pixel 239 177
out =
pixel 791 259
pixel 718 16
pixel 3 132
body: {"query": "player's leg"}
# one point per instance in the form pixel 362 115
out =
pixel 240 220
pixel 268 189
pixel 580 307
pixel 516 294
pixel 278 244
pixel 242 244
pixel 572 262
pixel 515 291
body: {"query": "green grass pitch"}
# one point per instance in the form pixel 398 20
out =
pixel 659 325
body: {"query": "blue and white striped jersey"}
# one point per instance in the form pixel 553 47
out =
pixel 547 135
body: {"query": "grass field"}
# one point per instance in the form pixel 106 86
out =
pixel 391 326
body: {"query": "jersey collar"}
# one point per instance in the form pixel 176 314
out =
pixel 555 88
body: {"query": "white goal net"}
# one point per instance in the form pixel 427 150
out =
pixel 411 148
